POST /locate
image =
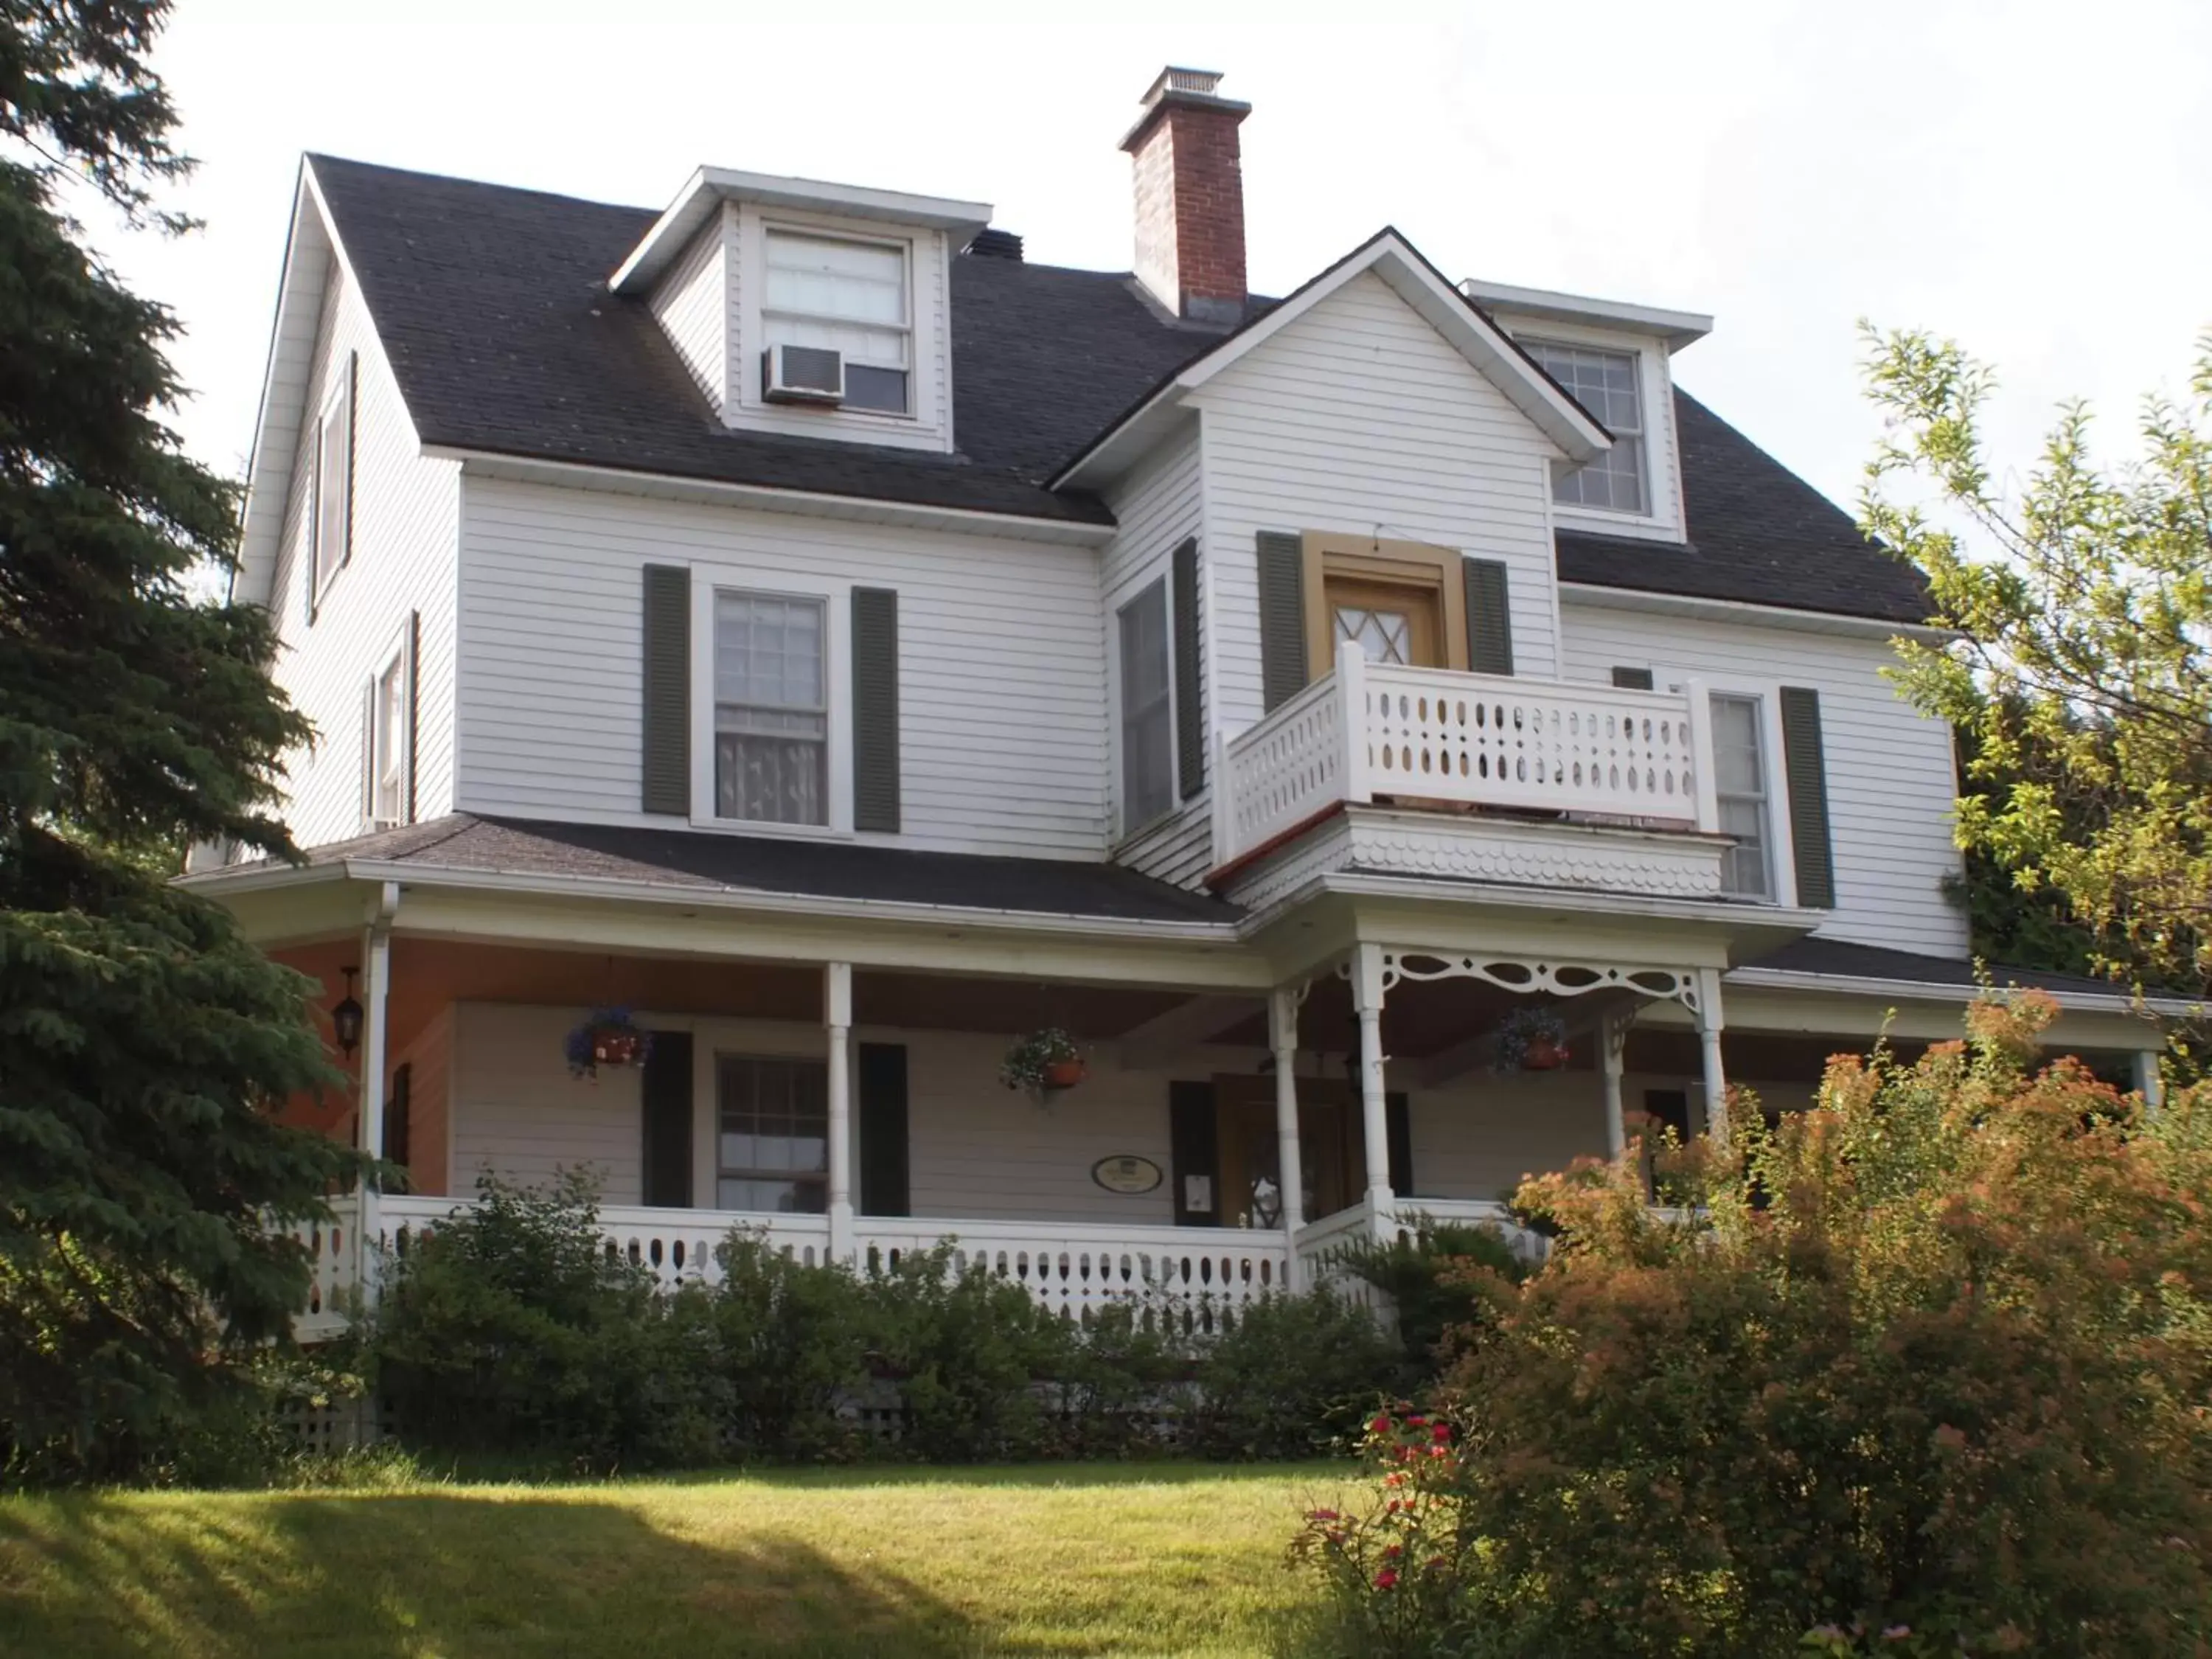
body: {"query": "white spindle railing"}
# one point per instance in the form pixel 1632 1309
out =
pixel 1075 1268
pixel 1283 771
pixel 1433 735
pixel 1069 1267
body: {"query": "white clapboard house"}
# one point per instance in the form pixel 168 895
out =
pixel 796 617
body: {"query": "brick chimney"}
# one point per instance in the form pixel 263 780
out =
pixel 1190 196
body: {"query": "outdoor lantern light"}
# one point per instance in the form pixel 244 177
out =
pixel 345 1018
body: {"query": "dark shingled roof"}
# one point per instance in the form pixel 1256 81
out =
pixel 759 864
pixel 1815 955
pixel 1758 533
pixel 492 304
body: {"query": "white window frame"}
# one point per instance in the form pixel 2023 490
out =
pixel 1781 850
pixel 715 1169
pixel 1663 517
pixel 341 398
pixel 714 1035
pixel 1537 342
pixel 397 666
pixel 837 654
pixel 904 247
pixel 1161 574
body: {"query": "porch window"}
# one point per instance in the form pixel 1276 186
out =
pixel 1739 783
pixel 1148 759
pixel 772 1151
pixel 771 707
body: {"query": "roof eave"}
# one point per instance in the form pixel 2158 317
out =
pixel 1675 329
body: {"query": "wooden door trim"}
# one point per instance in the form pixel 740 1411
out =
pixel 1368 558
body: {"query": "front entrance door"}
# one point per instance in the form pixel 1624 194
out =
pixel 1329 1149
pixel 1391 622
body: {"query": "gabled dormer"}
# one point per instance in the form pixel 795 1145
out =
pixel 1616 360
pixel 810 309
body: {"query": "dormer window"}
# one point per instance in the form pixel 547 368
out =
pixel 850 297
pixel 1607 384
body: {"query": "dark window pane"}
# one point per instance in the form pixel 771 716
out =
pixel 869 387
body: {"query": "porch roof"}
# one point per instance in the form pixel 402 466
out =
pixel 766 864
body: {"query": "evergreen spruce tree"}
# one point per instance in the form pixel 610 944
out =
pixel 144 1044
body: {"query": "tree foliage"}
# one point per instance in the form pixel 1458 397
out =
pixel 142 1041
pixel 1925 1371
pixel 2084 678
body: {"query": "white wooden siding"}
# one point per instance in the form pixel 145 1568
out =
pixel 1482 1136
pixel 1160 504
pixel 1001 662
pixel 1360 418
pixel 1891 779
pixel 691 304
pixel 517 1113
pixel 405 526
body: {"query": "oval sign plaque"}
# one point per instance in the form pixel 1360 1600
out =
pixel 1125 1172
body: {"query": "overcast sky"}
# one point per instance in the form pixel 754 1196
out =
pixel 2034 178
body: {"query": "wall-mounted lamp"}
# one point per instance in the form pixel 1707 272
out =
pixel 345 1018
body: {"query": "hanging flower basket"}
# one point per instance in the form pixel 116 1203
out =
pixel 607 1037
pixel 1532 1039
pixel 1043 1062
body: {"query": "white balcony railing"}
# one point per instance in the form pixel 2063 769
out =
pixel 1438 736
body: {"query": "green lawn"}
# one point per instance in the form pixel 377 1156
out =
pixel 1069 1559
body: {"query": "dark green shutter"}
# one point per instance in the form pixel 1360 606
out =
pixel 666 1096
pixel 1193 1154
pixel 876 710
pixel 1398 1131
pixel 667 754
pixel 1805 769
pixel 884 1170
pixel 1633 679
pixel 1489 616
pixel 398 1108
pixel 1282 618
pixel 1190 728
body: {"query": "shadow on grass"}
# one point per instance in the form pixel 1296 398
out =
pixel 362 1576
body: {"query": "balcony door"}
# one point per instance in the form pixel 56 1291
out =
pixel 1402 603
pixel 1393 621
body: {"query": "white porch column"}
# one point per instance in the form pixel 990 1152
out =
pixel 1613 1044
pixel 2150 1081
pixel 1367 1002
pixel 368 1124
pixel 837 1020
pixel 1709 1038
pixel 1282 1038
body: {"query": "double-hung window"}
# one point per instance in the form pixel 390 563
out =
pixel 850 298
pixel 1607 384
pixel 772 1141
pixel 1148 760
pixel 387 736
pixel 330 522
pixel 1739 783
pixel 771 707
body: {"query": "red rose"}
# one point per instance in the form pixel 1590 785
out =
pixel 1386 1579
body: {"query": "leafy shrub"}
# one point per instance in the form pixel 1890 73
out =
pixel 1429 1278
pixel 511 1327
pixel 1291 1376
pixel 1927 1374
pixel 790 1342
pixel 967 1349
pixel 1118 1388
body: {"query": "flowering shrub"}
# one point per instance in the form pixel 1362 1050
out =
pixel 1929 1374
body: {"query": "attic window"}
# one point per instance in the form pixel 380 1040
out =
pixel 1607 383
pixel 846 297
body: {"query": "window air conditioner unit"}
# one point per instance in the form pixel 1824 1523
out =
pixel 802 374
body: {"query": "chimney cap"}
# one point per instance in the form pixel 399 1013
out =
pixel 1172 79
pixel 1181 89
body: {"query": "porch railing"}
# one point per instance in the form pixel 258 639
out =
pixel 1073 1268
pixel 1439 736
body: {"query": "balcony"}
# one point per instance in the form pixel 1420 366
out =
pixel 1477 776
